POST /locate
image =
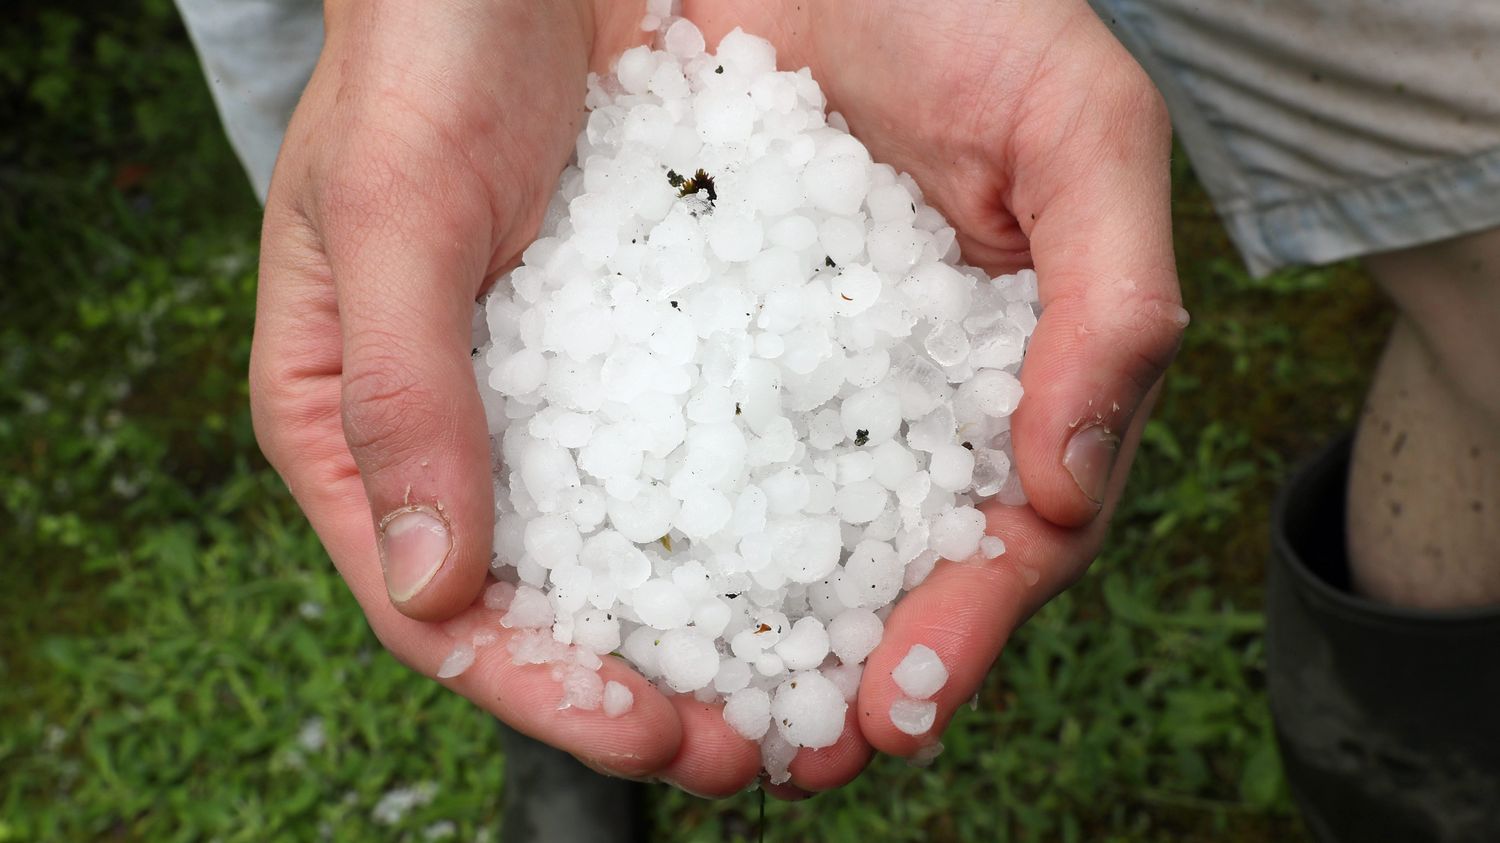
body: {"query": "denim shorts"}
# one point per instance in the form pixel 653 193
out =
pixel 1323 129
pixel 1330 129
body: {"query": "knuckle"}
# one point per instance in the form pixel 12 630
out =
pixel 383 403
pixel 1153 327
pixel 278 397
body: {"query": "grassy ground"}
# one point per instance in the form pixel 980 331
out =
pixel 181 663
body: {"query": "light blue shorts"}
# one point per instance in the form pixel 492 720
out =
pixel 1329 129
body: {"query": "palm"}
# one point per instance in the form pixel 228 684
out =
pixel 417 167
pixel 1029 127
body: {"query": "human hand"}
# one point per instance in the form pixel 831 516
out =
pixel 416 169
pixel 1044 145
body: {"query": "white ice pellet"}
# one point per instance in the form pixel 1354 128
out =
pixel 618 699
pixel 845 676
pixel 920 673
pixel 683 39
pixel 733 675
pixel 805 646
pixel 808 710
pixel 956 533
pixel 853 634
pixel 582 687
pixel 748 712
pixel 914 717
pixel 731 389
pixel 952 467
pixel 660 604
pixel 459 659
pixel 497 596
pixel 596 631
pixel 529 609
pixel 991 547
pixel 688 659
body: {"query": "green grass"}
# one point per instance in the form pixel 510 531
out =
pixel 171 625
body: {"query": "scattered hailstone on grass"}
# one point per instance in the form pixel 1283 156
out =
pixel 743 397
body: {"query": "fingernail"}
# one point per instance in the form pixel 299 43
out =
pixel 414 542
pixel 1089 457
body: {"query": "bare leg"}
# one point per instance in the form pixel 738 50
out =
pixel 1424 486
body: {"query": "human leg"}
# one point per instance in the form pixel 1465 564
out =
pixel 1424 488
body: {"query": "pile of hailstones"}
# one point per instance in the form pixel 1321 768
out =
pixel 744 398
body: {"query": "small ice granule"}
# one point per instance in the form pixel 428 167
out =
pixel 498 595
pixel 871 416
pixel 872 575
pixel 938 292
pixel 312 736
pixel 956 533
pixel 529 609
pixel 748 712
pixel 805 646
pixel 991 547
pixel 735 238
pixel 776 754
pixel 733 675
pixel 914 717
pixel 921 673
pixel 991 392
pixel 535 646
pixel 660 604
pixel 634 69
pixel 459 659
pixel 582 688
pixel 952 467
pixel 837 183
pixel 809 710
pixel 991 474
pixel 854 634
pixel 918 569
pixel 926 755
pixel 617 699
pixel 862 502
pixel 683 39
pixel 596 631
pixel 553 540
pixel 688 659
pixel 846 678
pixel 855 290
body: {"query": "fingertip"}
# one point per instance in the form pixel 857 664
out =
pixel 714 761
pixel 433 571
pixel 785 792
pixel 651 715
pixel 832 767
pixel 964 613
pixel 528 697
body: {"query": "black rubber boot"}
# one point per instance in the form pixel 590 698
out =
pixel 1388 718
pixel 551 798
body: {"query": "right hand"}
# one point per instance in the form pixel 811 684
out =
pixel 1044 144
pixel 415 171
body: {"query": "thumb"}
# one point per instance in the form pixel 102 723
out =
pixel 1111 311
pixel 412 416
